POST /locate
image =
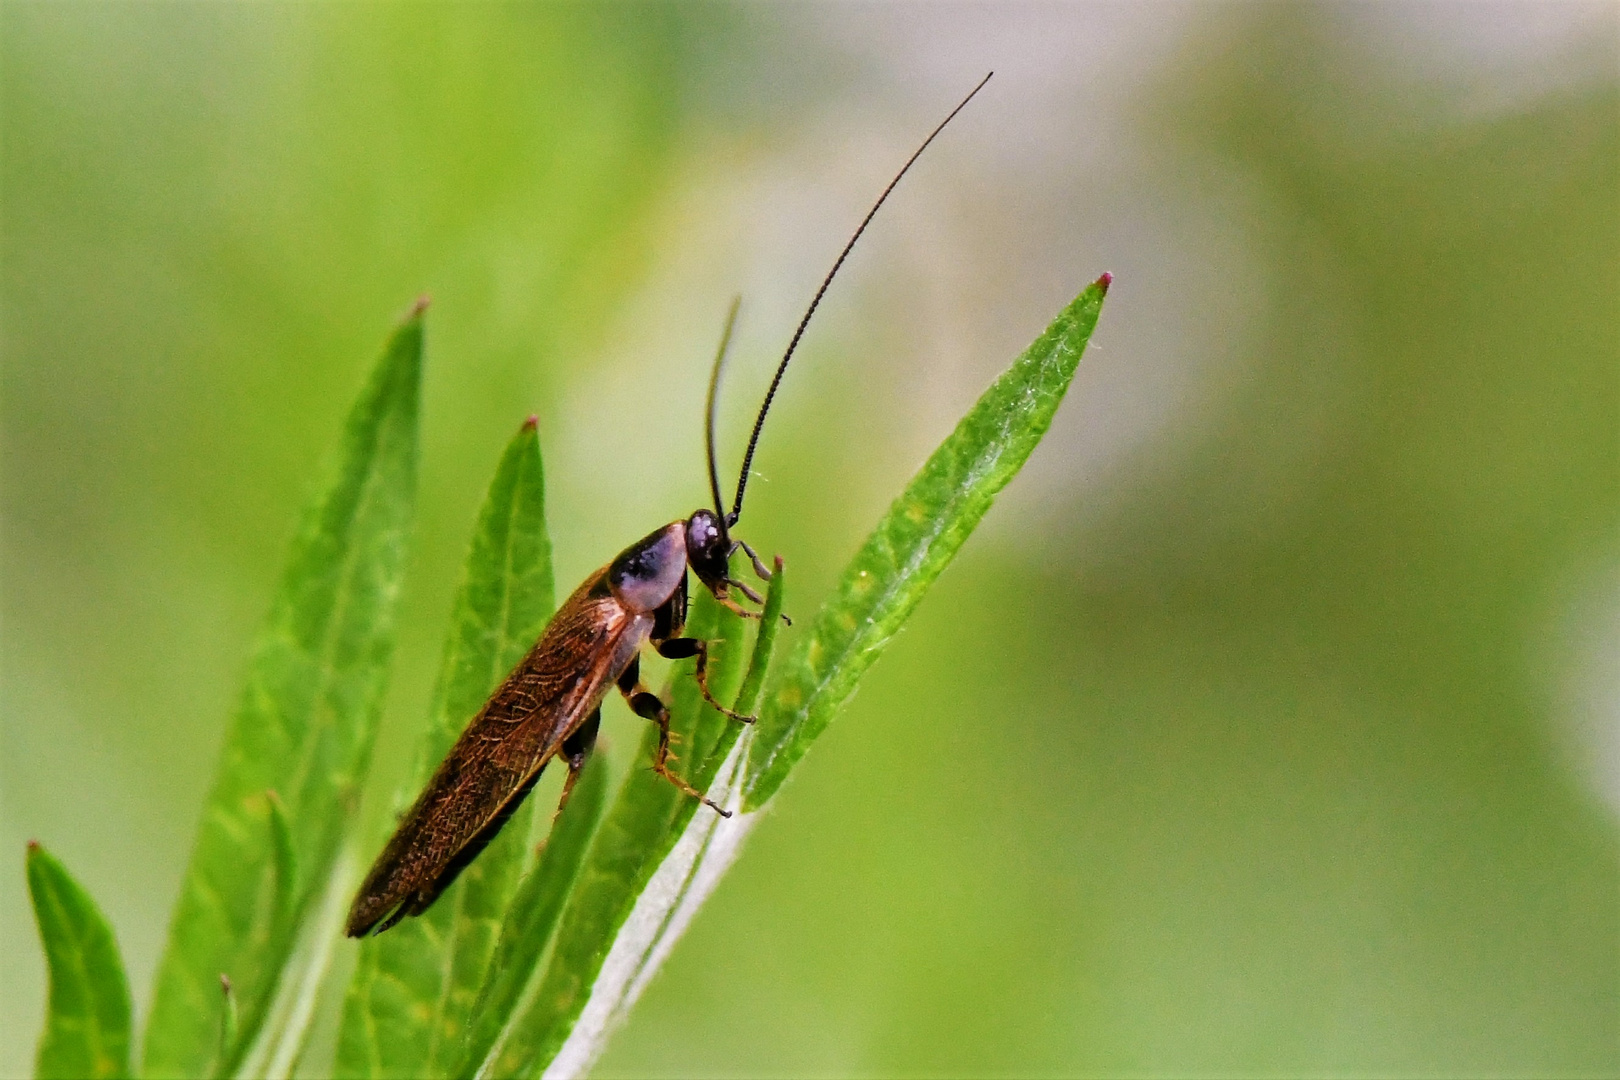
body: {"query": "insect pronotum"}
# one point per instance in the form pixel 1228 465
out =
pixel 551 704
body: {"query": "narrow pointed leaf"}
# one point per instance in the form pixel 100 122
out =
pixel 531 920
pixel 914 542
pixel 304 725
pixel 414 987
pixel 641 826
pixel 87 1017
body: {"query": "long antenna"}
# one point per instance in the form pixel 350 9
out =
pixel 708 424
pixel 753 440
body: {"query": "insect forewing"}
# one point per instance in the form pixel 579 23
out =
pixel 498 757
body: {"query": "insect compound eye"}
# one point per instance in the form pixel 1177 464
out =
pixel 646 573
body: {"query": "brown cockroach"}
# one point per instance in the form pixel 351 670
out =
pixel 551 704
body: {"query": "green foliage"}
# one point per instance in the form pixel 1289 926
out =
pixel 303 730
pixel 506 971
pixel 617 926
pixel 87 1019
pixel 638 831
pixel 414 987
pixel 532 919
pixel 914 542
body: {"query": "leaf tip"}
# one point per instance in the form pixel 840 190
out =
pixel 419 306
pixel 33 846
pixel 1103 282
pixel 531 423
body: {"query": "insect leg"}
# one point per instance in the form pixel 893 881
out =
pixel 680 649
pixel 759 567
pixel 746 591
pixel 647 706
pixel 575 749
pixel 731 605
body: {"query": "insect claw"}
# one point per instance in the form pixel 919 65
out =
pixel 661 767
pixel 735 608
pixel 703 685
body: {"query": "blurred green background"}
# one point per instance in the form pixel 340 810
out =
pixel 1271 724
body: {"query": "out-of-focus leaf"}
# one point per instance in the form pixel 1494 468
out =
pixel 914 542
pixel 414 988
pixel 639 830
pixel 532 918
pixel 228 1021
pixel 303 728
pixel 286 862
pixel 87 1018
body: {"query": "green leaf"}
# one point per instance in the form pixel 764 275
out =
pixel 914 542
pixel 414 987
pixel 87 1018
pixel 640 828
pixel 532 918
pixel 236 1034
pixel 303 728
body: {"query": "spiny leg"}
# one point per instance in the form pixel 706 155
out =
pixel 680 649
pixel 646 705
pixel 575 750
pixel 731 605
